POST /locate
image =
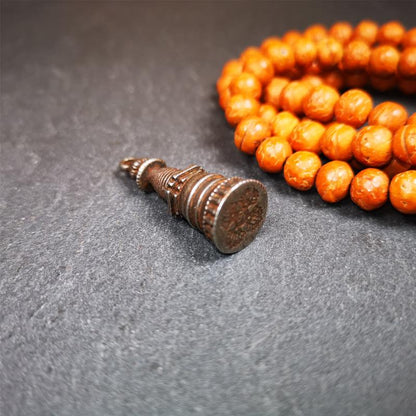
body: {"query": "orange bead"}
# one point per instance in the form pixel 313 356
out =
pixel 246 84
pixel 300 170
pixel 383 84
pixel 394 167
pixel 291 37
pixel 342 32
pixel 248 52
pixel 315 33
pixel 306 136
pixel 292 96
pixel 224 96
pixel 353 107
pixel 334 79
pixel 319 104
pixel 232 67
pixel 261 67
pixel 366 31
pixel 336 142
pixel 403 192
pixel 274 89
pixel 391 33
pixel 281 55
pixel 333 181
pixel 239 107
pixel 404 144
pixel 383 61
pixel 369 189
pixel 412 119
pixel 388 114
pixel 305 52
pixel 249 133
pixel 272 153
pixel 267 112
pixel 283 124
pixel 372 146
pixel 267 42
pixel 356 79
pixel 224 82
pixel 409 38
pixel 407 63
pixel 330 52
pixel 356 56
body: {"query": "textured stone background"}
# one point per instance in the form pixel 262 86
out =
pixel 110 307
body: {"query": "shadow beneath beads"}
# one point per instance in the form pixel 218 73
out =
pixel 188 241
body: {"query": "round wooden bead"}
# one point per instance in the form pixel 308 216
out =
pixel 330 52
pixel 342 32
pixel 356 56
pixel 246 84
pixel 404 144
pixel 403 192
pixel 272 154
pixel 366 31
pixel 388 114
pixel 267 112
pixel 305 52
pixel 281 55
pixel 300 170
pixel 333 181
pixel 306 136
pixel 261 67
pixel 372 146
pixel 336 142
pixel 232 67
pixel 224 82
pixel 407 63
pixel 369 189
pixel 291 37
pixel 248 52
pixel 292 96
pixel 274 89
pixel 353 107
pixel 383 61
pixel 391 33
pixel 239 107
pixel 249 133
pixel 319 104
pixel 283 124
pixel 267 42
pixel 409 38
pixel 315 32
pixel 394 167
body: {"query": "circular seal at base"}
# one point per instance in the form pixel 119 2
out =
pixel 234 213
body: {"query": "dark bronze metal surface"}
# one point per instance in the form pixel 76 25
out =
pixel 228 211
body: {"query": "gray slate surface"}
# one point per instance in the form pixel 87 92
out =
pixel 110 307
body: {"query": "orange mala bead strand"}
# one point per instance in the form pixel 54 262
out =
pixel 285 100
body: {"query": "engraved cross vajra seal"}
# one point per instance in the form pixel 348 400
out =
pixel 228 211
